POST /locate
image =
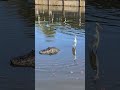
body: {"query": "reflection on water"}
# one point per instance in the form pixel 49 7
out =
pixel 63 28
pixel 102 46
pixel 93 46
pixel 94 63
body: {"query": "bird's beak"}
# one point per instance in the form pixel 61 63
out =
pixel 99 26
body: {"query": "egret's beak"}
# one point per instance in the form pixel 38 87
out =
pixel 99 26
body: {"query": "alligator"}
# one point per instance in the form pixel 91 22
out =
pixel 27 60
pixel 49 51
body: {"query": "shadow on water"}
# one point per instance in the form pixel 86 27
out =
pixel 25 11
pixel 17 38
pixel 103 62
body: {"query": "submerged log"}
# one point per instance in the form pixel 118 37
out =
pixel 27 60
pixel 49 51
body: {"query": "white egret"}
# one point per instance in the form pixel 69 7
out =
pixel 74 47
pixel 75 41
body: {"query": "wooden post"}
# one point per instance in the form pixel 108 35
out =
pixel 48 3
pixel 63 2
pixel 79 3
pixel 80 16
pixel 63 13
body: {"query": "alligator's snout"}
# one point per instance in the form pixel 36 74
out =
pixel 49 51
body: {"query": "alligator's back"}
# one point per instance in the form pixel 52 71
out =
pixel 27 60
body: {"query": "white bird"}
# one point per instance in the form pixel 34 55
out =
pixel 74 52
pixel 74 47
pixel 75 41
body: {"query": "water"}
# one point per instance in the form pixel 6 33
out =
pixel 108 50
pixel 57 27
pixel 17 38
pixel 16 24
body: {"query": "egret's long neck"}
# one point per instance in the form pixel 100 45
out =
pixel 75 41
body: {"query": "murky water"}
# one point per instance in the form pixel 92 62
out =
pixel 17 38
pixel 58 27
pixel 107 15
